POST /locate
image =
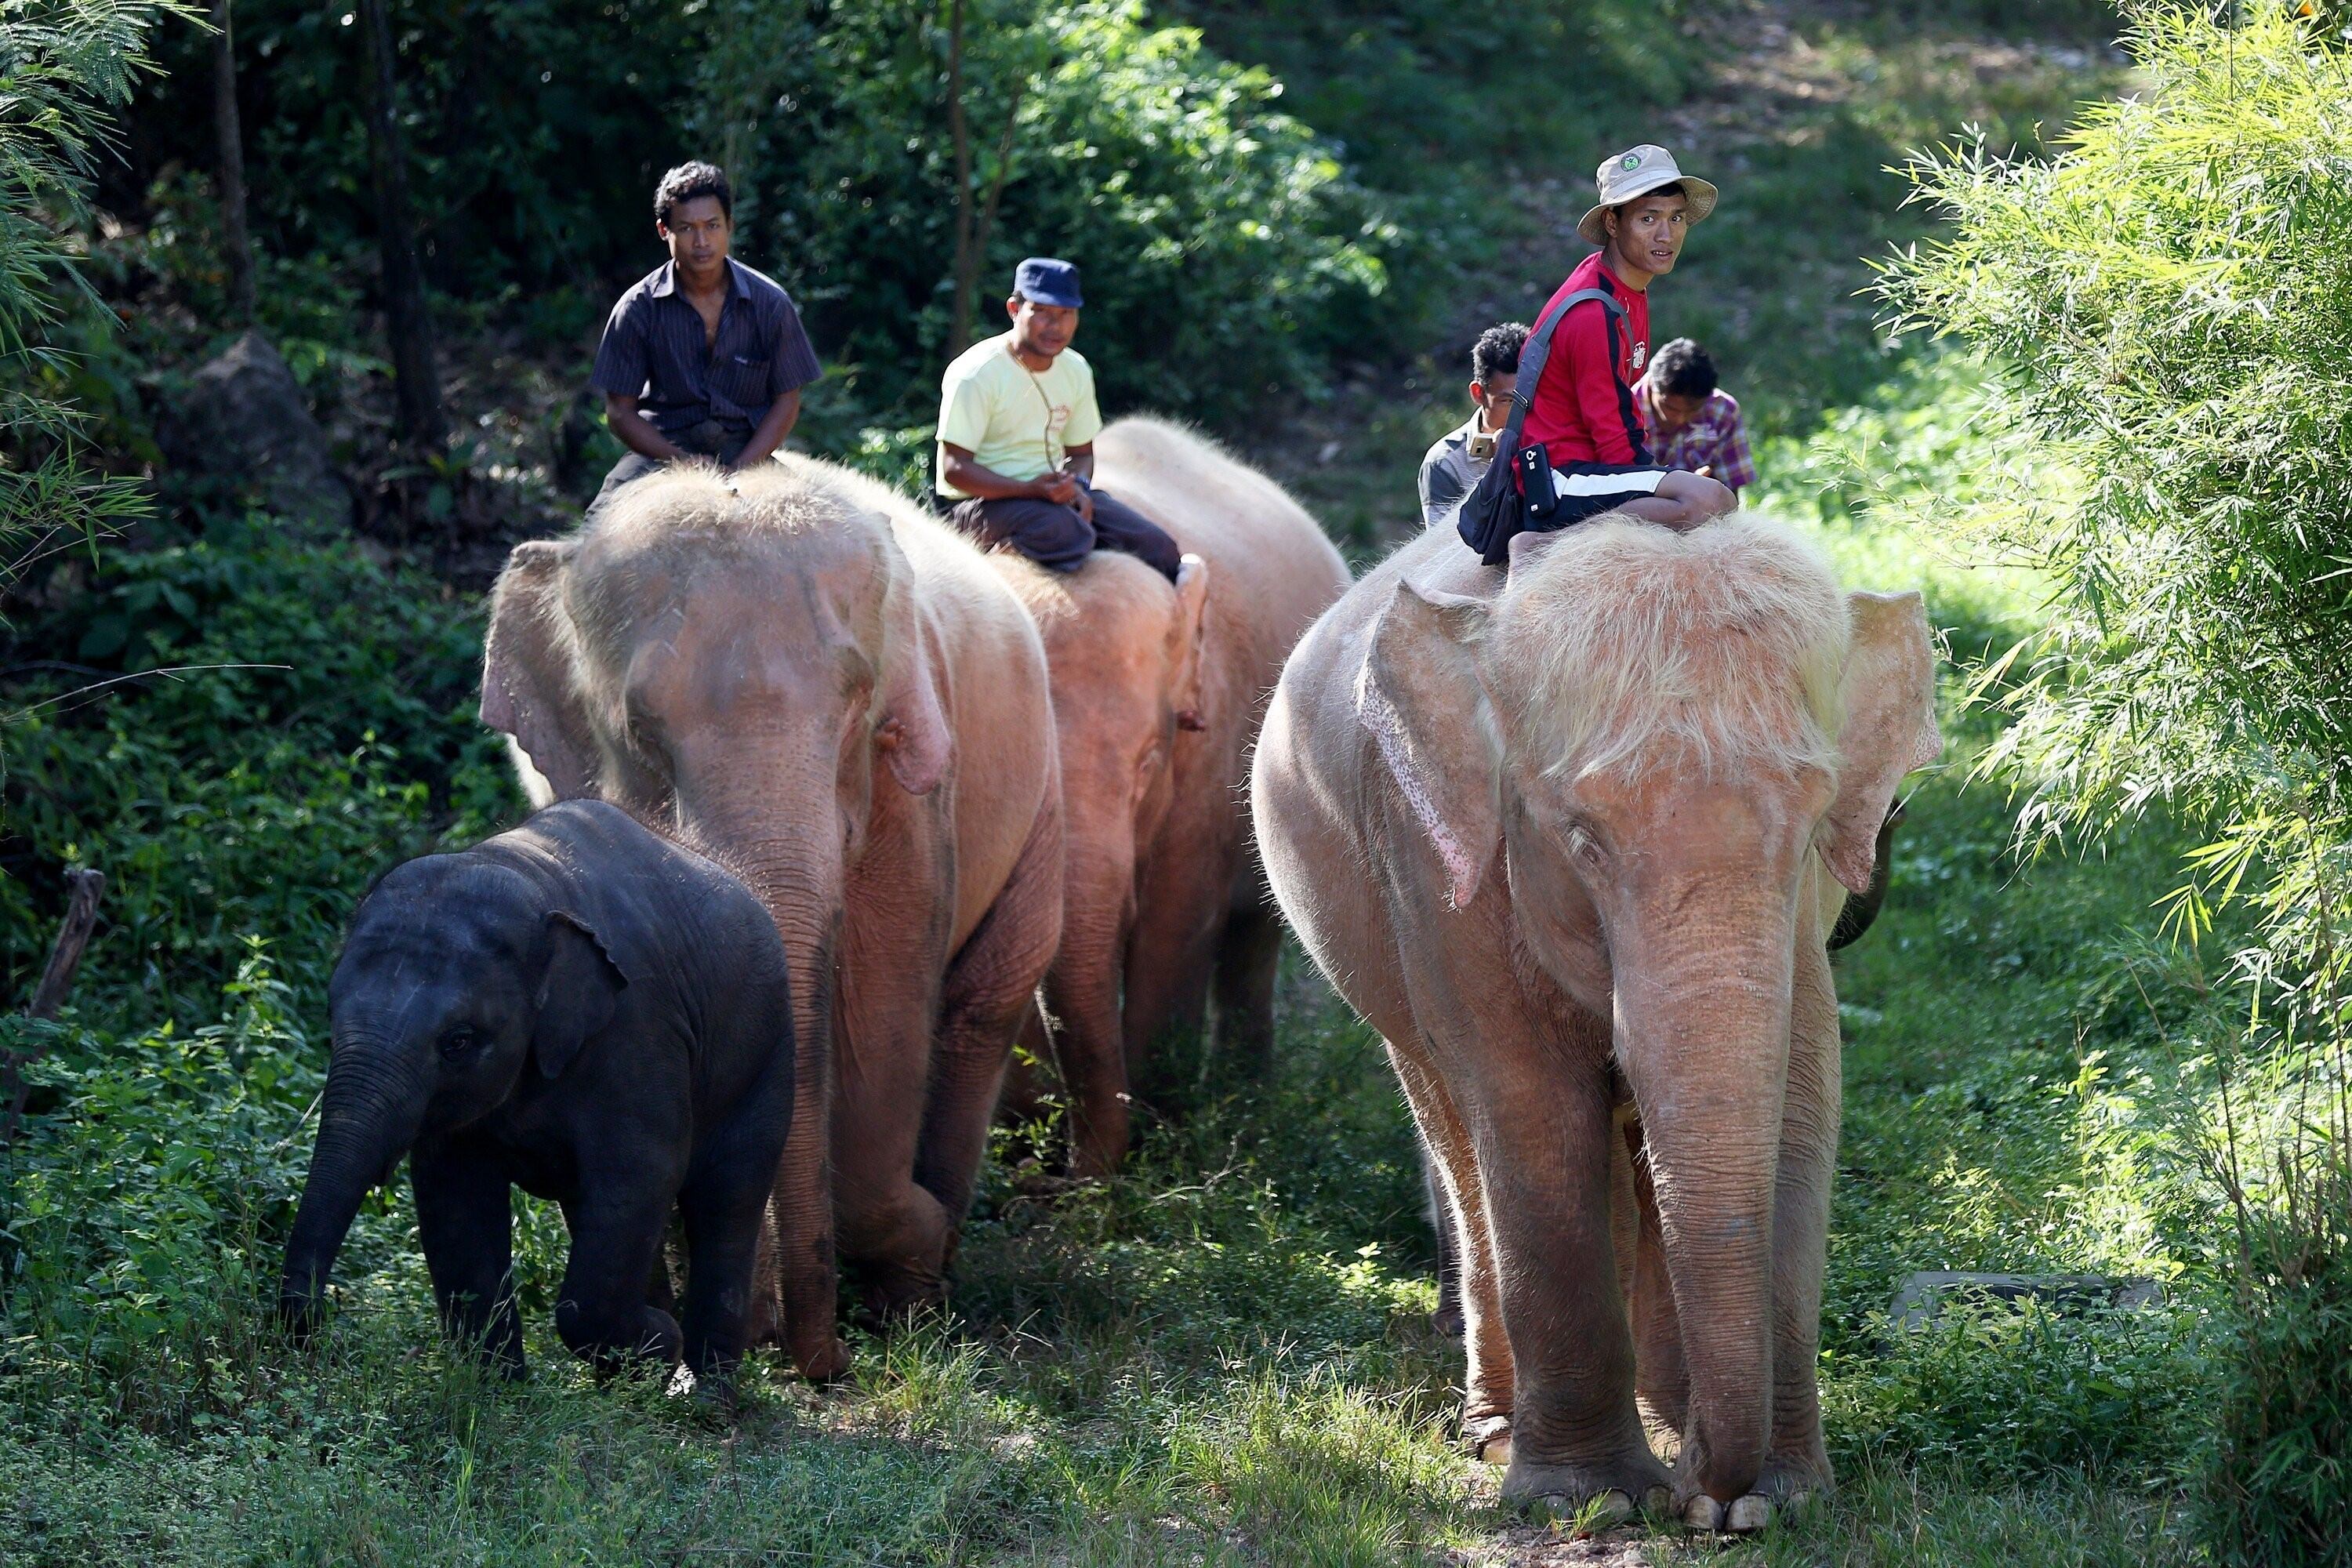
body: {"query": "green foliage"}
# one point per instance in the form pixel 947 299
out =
pixel 283 720
pixel 2280 1480
pixel 1224 250
pixel 65 70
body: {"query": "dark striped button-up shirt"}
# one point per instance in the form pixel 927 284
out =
pixel 655 348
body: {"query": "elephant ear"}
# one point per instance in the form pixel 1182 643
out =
pixel 578 993
pixel 527 676
pixel 913 728
pixel 1185 635
pixel 1419 696
pixel 1889 695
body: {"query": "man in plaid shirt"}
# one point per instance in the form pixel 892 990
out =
pixel 1691 423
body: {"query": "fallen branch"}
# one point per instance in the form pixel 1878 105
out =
pixel 56 982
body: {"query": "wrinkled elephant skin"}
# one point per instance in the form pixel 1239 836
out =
pixel 582 1010
pixel 1201 931
pixel 1561 837
pixel 795 669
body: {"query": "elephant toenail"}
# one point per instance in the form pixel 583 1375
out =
pixel 1748 1515
pixel 1658 1500
pixel 1703 1512
pixel 1496 1450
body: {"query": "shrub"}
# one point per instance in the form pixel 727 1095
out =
pixel 2167 306
pixel 260 798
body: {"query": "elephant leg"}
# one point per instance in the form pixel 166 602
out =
pixel 601 1313
pixel 1661 1376
pixel 1796 1464
pixel 1082 993
pixel 725 1208
pixel 465 1218
pixel 894 956
pixel 1487 1384
pixel 1543 1133
pixel 991 987
pixel 1447 1319
pixel 1182 892
pixel 1249 953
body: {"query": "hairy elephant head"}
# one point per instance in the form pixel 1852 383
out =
pixel 457 981
pixel 1655 739
pixel 731 657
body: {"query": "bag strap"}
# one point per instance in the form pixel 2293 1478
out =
pixel 1536 353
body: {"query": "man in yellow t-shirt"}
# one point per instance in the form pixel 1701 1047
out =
pixel 1017 426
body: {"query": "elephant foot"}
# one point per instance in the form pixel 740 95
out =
pixel 1741 1516
pixel 1589 1496
pixel 825 1359
pixel 1487 1438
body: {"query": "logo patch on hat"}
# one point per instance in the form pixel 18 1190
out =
pixel 1632 160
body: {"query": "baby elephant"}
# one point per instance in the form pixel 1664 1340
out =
pixel 588 1012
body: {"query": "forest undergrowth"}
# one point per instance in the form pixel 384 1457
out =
pixel 1223 1355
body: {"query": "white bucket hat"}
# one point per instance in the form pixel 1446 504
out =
pixel 1637 171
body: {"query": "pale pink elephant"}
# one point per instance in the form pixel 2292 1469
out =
pixel 803 675
pixel 1567 840
pixel 1159 690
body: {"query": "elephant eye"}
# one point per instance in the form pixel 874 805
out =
pixel 458 1041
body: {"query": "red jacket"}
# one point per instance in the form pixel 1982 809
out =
pixel 1583 410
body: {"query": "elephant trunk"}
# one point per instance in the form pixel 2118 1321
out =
pixel 368 1118
pixel 787 846
pixel 1704 1036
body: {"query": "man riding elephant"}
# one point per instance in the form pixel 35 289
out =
pixel 1017 426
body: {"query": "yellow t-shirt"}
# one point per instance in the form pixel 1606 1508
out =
pixel 1015 420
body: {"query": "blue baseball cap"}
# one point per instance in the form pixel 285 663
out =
pixel 1043 281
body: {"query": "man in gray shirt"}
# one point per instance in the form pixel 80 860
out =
pixel 1455 465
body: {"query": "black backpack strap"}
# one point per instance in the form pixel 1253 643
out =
pixel 1496 509
pixel 1536 353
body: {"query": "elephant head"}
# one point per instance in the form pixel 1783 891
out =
pixel 1652 741
pixel 455 983
pixel 735 658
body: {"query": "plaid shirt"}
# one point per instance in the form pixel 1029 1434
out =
pixel 1715 440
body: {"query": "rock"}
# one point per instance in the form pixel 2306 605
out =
pixel 1924 1294
pixel 243 421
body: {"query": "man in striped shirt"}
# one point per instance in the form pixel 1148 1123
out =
pixel 704 357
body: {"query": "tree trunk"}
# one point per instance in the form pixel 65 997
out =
pixel 975 213
pixel 229 141
pixel 417 383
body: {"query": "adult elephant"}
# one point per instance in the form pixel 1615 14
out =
pixel 1159 692
pixel 1564 838
pixel 798 672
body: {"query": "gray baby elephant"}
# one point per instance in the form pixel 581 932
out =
pixel 586 1011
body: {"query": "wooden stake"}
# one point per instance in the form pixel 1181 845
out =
pixel 56 982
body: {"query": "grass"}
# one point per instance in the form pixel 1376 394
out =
pixel 1223 1357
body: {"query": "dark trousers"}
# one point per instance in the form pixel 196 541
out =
pixel 708 439
pixel 1056 538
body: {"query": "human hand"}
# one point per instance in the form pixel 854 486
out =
pixel 1086 504
pixel 1059 488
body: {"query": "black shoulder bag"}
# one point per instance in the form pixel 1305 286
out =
pixel 1498 508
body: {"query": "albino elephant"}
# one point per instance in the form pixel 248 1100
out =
pixel 1158 693
pixel 1564 839
pixel 1123 647
pixel 796 672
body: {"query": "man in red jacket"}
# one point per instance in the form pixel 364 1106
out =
pixel 1582 411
